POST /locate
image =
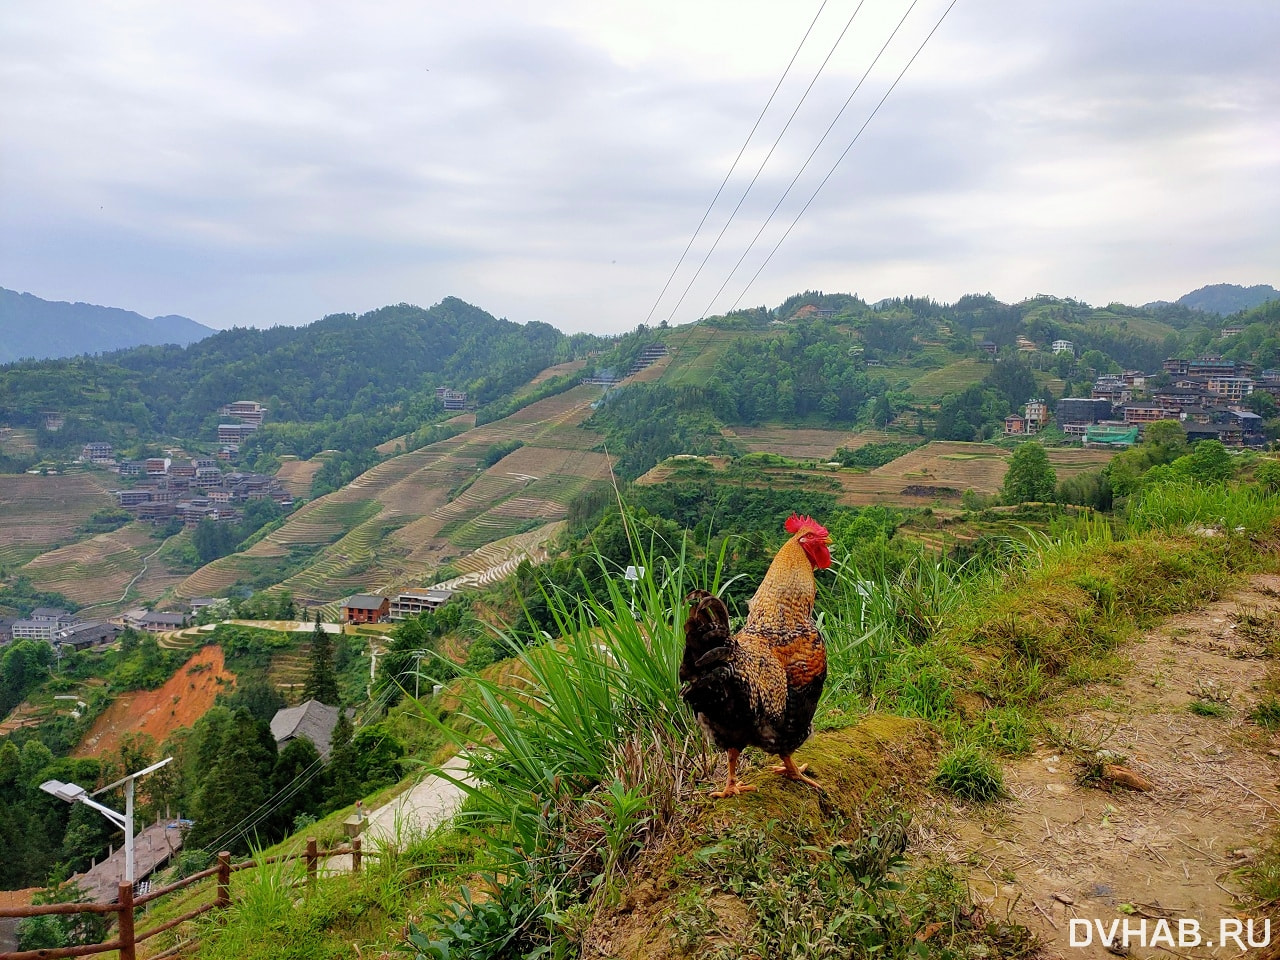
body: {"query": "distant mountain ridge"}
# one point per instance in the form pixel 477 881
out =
pixel 1224 298
pixel 36 329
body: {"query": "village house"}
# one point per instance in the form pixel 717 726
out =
pixel 100 453
pixel 312 721
pixel 1234 388
pixel 43 624
pixel 86 635
pixel 365 608
pixel 451 399
pixel 1014 425
pixel 1207 367
pixel 1148 412
pixel 1064 346
pixel 1037 413
pixel 151 621
pixel 234 434
pixel 1111 386
pixel 1074 410
pixel 410 603
pixel 246 411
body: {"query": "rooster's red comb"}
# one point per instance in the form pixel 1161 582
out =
pixel 796 523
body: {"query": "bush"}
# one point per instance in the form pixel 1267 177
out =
pixel 970 774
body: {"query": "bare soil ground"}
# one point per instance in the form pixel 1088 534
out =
pixel 185 698
pixel 1059 850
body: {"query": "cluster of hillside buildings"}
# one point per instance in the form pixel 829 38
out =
pixel 1206 395
pixel 194 490
pixel 242 418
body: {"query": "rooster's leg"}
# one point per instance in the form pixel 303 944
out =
pixel 789 770
pixel 732 788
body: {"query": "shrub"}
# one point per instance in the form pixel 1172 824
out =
pixel 970 774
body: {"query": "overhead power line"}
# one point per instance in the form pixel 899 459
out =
pixel 805 166
pixel 768 156
pixel 845 153
pixel 734 165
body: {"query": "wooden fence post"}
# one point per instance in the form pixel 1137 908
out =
pixel 311 859
pixel 125 924
pixel 355 855
pixel 224 880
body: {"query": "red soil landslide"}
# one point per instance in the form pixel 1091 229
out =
pixel 179 703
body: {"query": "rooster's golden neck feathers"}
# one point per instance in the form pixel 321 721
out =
pixel 786 594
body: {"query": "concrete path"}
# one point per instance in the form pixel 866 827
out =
pixel 414 813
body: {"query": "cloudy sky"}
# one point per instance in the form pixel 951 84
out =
pixel 257 163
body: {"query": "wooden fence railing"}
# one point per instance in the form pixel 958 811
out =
pixel 126 906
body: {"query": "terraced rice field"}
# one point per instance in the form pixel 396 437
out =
pixel 18 441
pixel 559 370
pixel 952 378
pixel 38 513
pixel 934 474
pixel 694 351
pixel 463 421
pixel 396 523
pixel 951 465
pixel 96 569
pixel 296 475
pixel 288 671
pixel 800 444
pixel 497 560
pixel 1069 461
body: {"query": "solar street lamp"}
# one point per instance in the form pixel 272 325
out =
pixel 72 792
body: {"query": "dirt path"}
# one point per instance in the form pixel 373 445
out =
pixel 1059 851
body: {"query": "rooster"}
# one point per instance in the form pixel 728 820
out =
pixel 760 686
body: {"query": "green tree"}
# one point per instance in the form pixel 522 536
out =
pixel 297 769
pixel 24 664
pixel 1208 463
pixel 322 682
pixel 882 412
pixel 258 696
pixel 344 763
pixel 1013 380
pixel 235 786
pixel 1030 478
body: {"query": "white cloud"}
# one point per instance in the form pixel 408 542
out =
pixel 262 163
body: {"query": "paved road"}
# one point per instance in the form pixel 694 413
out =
pixel 415 812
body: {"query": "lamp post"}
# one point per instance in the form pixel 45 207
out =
pixel 72 792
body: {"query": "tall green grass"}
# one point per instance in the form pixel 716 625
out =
pixel 1179 506
pixel 582 747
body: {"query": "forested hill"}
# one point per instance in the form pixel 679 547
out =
pixel 39 329
pixel 1228 298
pixel 388 360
